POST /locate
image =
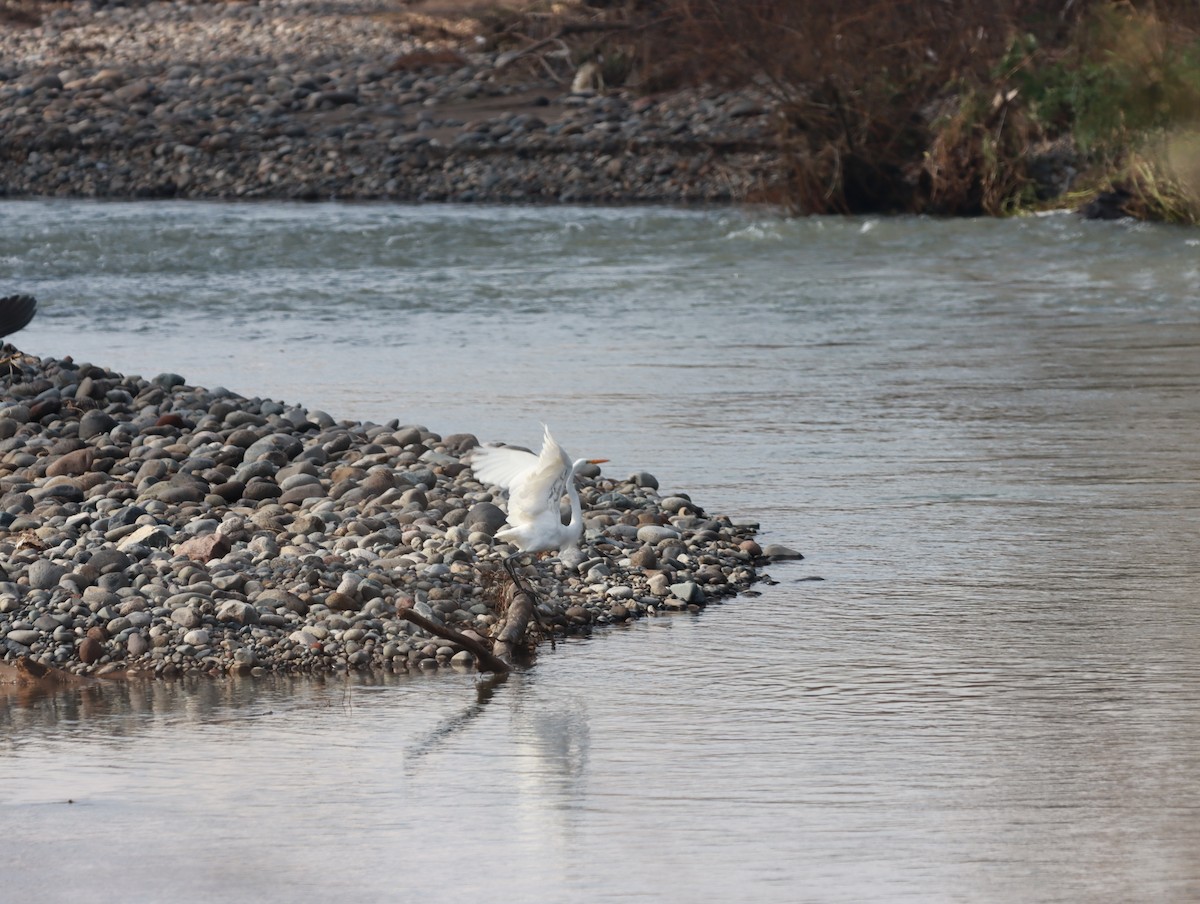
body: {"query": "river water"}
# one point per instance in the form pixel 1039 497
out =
pixel 982 434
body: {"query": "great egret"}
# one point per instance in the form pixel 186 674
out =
pixel 536 485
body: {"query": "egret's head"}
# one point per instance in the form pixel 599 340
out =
pixel 580 462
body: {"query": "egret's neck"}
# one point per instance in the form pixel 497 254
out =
pixel 576 522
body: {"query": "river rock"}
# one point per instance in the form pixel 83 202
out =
pixel 44 575
pixel 298 494
pixel 72 463
pixel 94 423
pixel 237 611
pixel 777 552
pixel 153 536
pixel 689 592
pixel 644 557
pixel 108 559
pixel 204 549
pixel 197 637
pixel 486 517
pixel 186 617
pixel 751 548
pixel 90 650
pixel 654 534
pixel 175 492
pixel 25 637
pixel 644 479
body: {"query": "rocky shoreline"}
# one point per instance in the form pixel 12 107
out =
pixel 149 527
pixel 339 99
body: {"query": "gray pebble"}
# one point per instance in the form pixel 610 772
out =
pixel 44 575
pixel 777 552
pixel 656 533
pixel 688 591
pixel 186 616
pixel 197 637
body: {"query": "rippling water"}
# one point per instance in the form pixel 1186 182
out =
pixel 982 434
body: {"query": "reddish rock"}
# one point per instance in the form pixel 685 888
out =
pixel 204 549
pixel 340 602
pixel 578 615
pixel 378 482
pixel 230 491
pixel 90 650
pixel 298 494
pixel 44 408
pixel 644 557
pixel 97 633
pixel 73 463
pixel 259 489
pixel 91 479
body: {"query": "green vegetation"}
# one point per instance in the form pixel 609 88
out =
pixel 1126 90
pixel 963 107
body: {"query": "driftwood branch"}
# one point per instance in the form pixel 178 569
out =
pixel 516 620
pixel 485 656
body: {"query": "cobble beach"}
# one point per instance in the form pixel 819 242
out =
pixel 346 100
pixel 159 528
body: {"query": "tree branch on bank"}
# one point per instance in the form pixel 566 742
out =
pixel 485 656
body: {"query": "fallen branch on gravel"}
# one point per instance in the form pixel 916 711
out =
pixel 485 656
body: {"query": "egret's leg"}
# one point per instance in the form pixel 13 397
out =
pixel 525 588
pixel 512 573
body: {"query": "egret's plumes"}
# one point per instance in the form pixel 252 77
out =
pixel 536 485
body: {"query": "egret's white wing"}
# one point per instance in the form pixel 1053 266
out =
pixel 501 466
pixel 536 494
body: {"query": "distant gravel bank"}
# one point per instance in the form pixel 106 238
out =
pixel 328 99
pixel 157 528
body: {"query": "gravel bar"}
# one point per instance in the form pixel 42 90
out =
pixel 155 528
pixel 337 99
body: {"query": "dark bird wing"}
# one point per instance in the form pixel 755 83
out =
pixel 15 313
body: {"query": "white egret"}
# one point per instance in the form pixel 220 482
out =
pixel 536 485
